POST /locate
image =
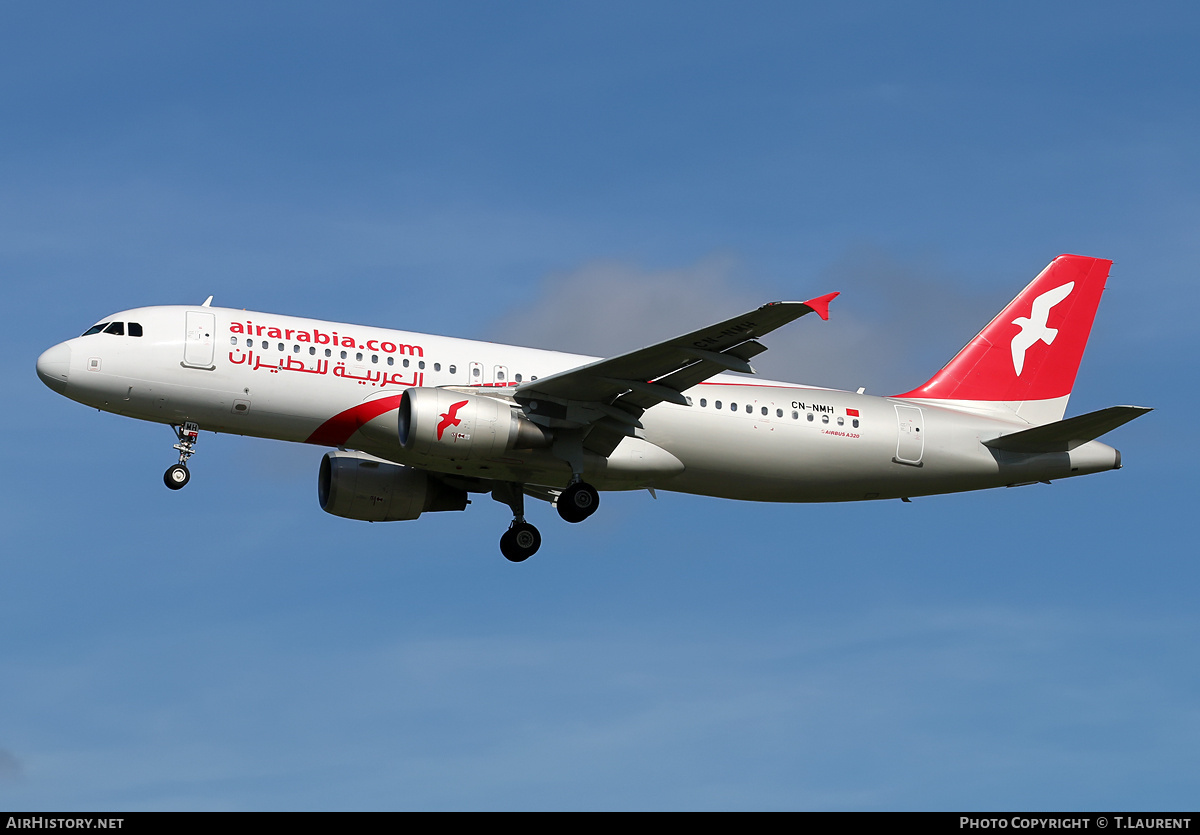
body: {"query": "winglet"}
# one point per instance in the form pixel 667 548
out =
pixel 820 304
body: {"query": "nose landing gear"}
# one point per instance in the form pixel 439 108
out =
pixel 177 475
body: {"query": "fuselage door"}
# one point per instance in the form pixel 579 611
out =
pixel 198 340
pixel 910 441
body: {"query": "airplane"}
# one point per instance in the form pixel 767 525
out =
pixel 421 422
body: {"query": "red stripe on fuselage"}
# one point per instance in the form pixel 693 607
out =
pixel 338 429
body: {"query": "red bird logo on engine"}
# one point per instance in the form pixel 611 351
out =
pixel 449 418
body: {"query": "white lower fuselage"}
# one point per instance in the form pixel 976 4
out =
pixel 339 385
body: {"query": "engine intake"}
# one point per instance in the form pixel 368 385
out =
pixel 355 485
pixel 449 424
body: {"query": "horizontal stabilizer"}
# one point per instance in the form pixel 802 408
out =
pixel 1065 435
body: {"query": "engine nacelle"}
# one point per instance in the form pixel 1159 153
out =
pixel 449 424
pixel 355 485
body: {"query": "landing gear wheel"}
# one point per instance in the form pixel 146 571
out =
pixel 520 542
pixel 176 476
pixel 578 502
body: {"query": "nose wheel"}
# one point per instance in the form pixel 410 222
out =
pixel 177 475
pixel 578 502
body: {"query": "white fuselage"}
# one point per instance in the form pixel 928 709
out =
pixel 339 385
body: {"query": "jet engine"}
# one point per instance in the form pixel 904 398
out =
pixel 449 424
pixel 355 485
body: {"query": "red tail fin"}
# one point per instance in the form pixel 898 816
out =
pixel 1030 353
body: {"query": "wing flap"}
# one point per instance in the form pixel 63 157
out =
pixel 694 374
pixel 725 346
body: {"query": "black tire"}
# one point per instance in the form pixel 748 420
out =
pixel 520 542
pixel 177 476
pixel 578 502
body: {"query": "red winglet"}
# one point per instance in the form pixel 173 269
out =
pixel 820 304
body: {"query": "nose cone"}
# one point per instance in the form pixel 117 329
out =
pixel 53 365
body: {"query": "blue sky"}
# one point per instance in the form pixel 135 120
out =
pixel 595 177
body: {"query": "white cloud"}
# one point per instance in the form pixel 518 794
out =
pixel 607 307
pixel 10 767
pixel 896 323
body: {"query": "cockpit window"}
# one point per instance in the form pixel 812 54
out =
pixel 114 329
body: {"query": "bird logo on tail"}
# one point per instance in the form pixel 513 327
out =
pixel 1034 328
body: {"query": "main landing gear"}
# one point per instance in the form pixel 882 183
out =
pixel 522 540
pixel 577 502
pixel 177 475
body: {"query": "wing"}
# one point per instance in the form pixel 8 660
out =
pixel 608 397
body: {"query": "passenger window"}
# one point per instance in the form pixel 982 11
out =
pixel 779 413
pixel 716 404
pixel 135 329
pixel 249 343
pixel 391 360
pixel 405 364
pixel 374 359
pixel 343 354
pixel 518 378
pixel 795 416
pixel 328 352
pixel 233 340
pixel 810 417
pixel 855 422
pixel 703 402
pixel 421 364
pixel 824 418
pixel 312 350
pixel 437 366
pixel 295 349
pixel 841 421
pixel 764 410
pixel 733 407
pixel 116 329
pixel 453 369
pixel 358 357
pixel 265 345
